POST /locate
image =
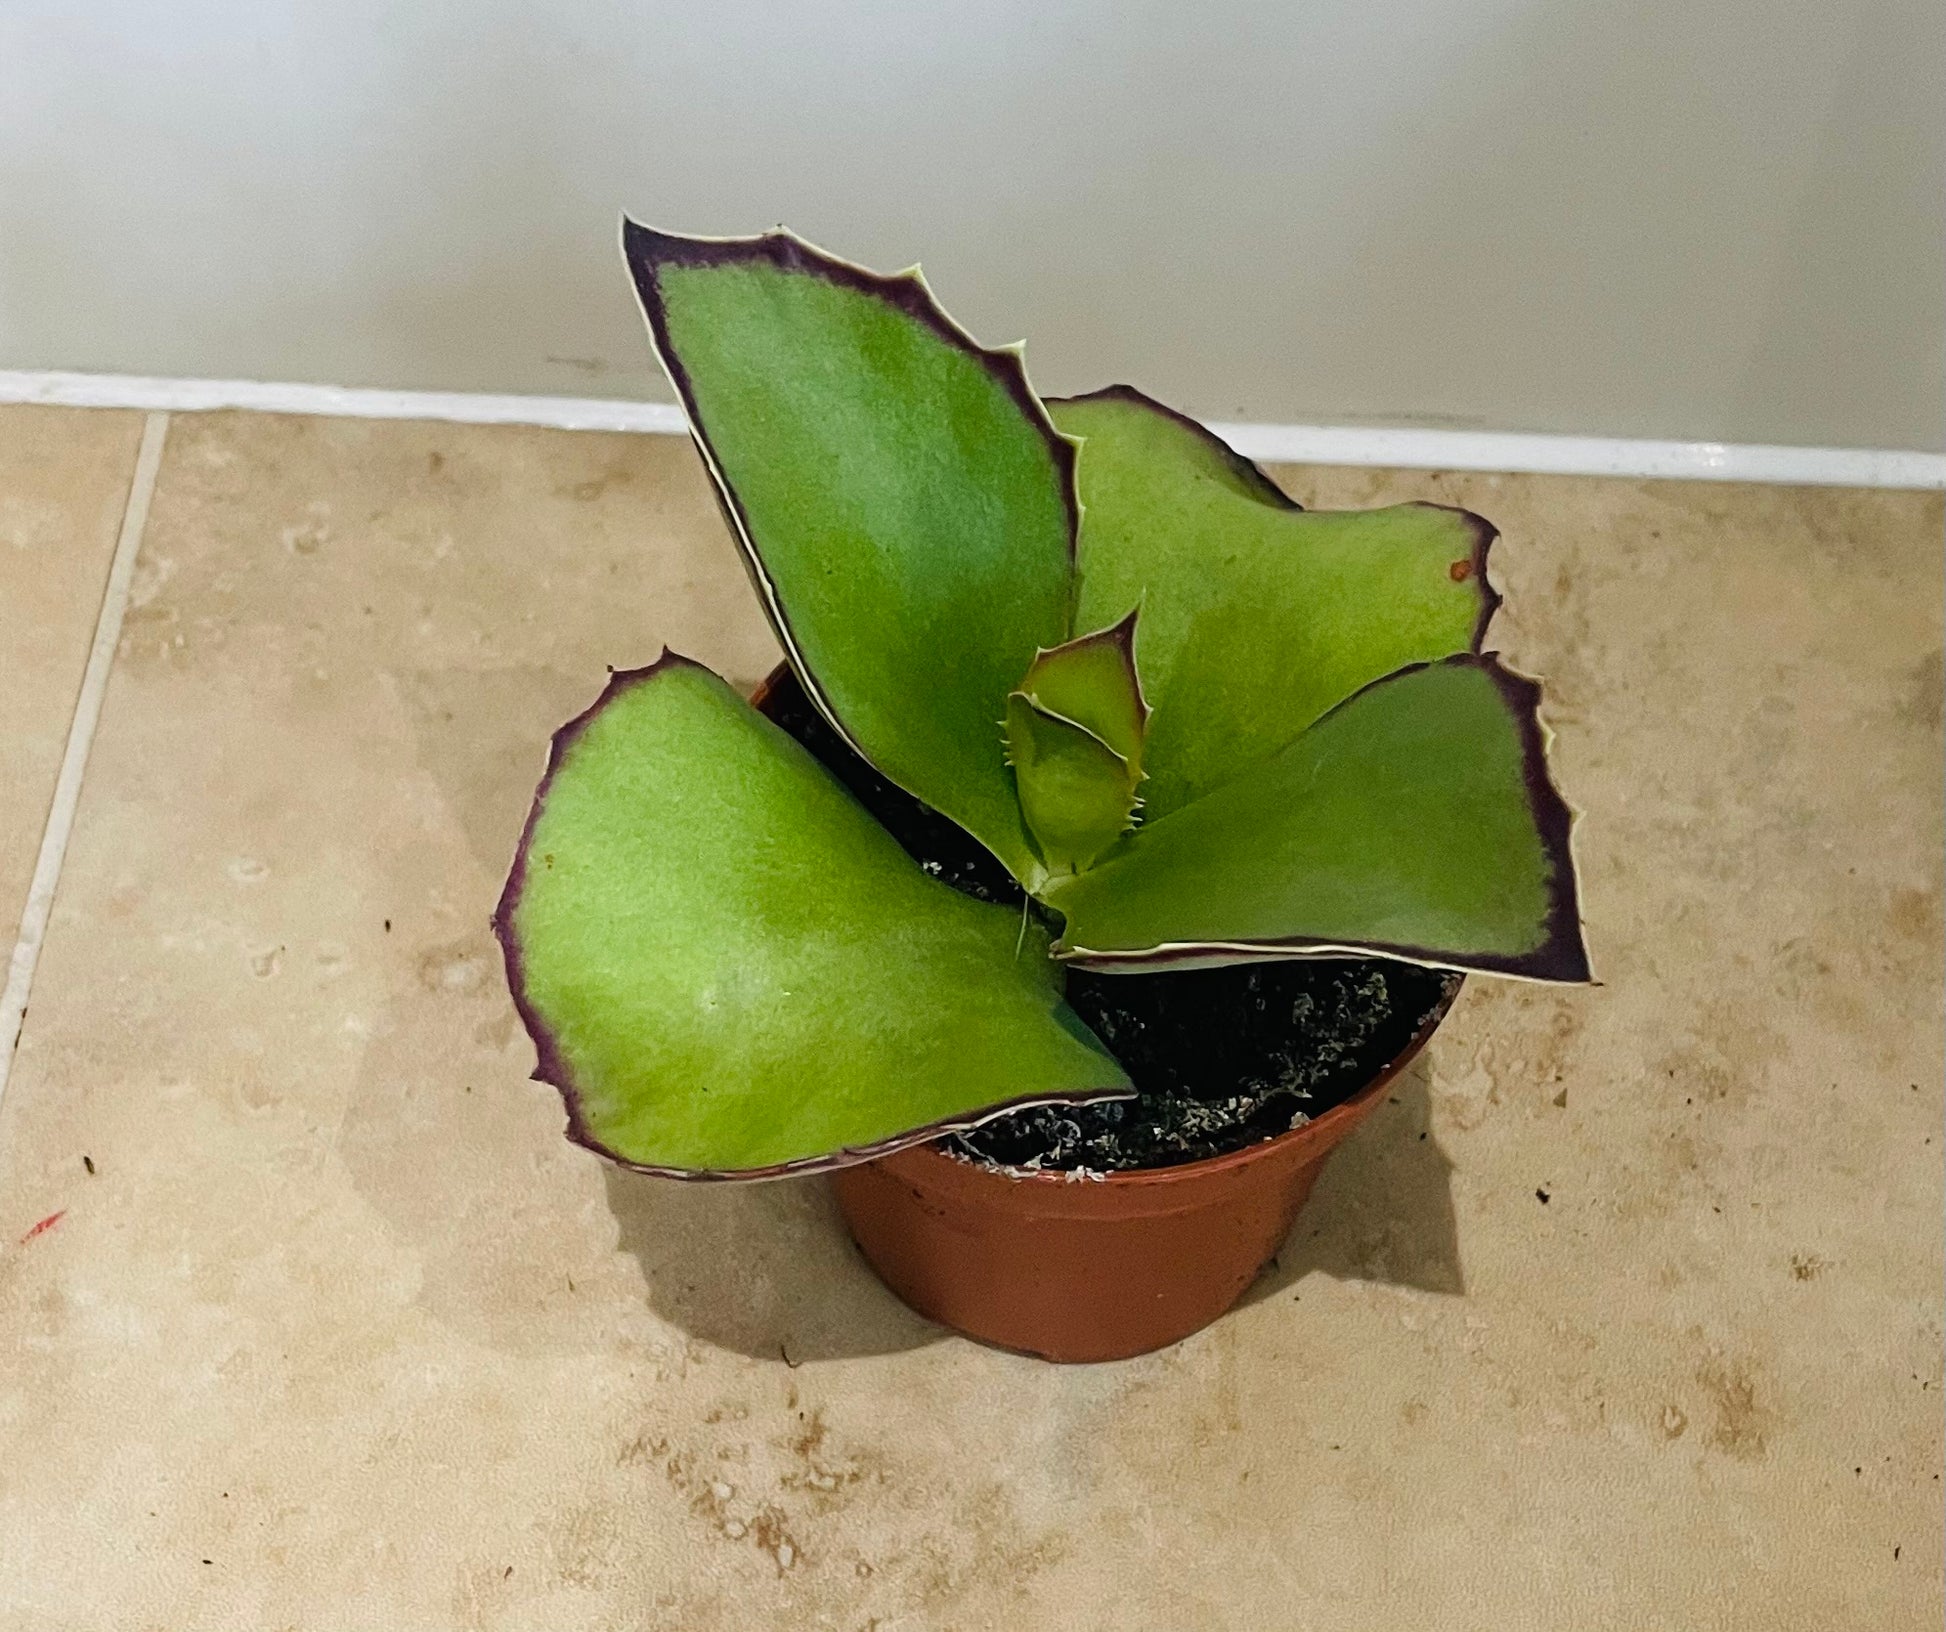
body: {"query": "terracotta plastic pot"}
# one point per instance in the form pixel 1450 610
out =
pixel 1091 1269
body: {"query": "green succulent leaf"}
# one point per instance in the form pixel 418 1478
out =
pixel 1092 681
pixel 1077 792
pixel 904 502
pixel 731 970
pixel 1257 616
pixel 1416 820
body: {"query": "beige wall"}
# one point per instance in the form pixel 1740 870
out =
pixel 1683 218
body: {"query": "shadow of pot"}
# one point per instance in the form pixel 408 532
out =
pixel 1092 1269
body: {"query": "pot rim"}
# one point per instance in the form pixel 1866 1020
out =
pixel 1135 1178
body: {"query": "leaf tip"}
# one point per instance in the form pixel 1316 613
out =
pixel 1245 469
pixel 1471 567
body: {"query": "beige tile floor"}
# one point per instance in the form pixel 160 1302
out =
pixel 340 1333
pixel 64 483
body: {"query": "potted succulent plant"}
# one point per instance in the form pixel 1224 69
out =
pixel 1118 829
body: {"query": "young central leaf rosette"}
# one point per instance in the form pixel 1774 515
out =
pixel 1198 723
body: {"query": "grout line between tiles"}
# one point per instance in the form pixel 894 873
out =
pixel 81 736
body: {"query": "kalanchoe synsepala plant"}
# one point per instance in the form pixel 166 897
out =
pixel 1198 723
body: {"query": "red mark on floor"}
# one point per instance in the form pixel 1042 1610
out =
pixel 1460 571
pixel 44 1226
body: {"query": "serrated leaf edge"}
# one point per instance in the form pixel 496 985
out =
pixel 1560 958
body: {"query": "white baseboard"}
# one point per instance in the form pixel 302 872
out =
pixel 1585 455
pixel 351 402
pixel 1280 444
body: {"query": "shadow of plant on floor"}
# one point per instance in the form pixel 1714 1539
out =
pixel 767 1270
pixel 1383 1208
pixel 764 1269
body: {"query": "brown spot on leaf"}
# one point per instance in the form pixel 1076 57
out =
pixel 1460 571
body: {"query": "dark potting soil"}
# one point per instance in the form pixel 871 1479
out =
pixel 1220 1058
